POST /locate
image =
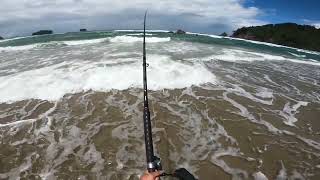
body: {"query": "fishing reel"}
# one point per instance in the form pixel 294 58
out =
pixel 155 165
pixel 181 174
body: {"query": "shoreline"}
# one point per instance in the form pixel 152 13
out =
pixel 167 31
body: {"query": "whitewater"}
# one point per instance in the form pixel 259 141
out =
pixel 71 106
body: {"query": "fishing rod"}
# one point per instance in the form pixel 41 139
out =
pixel 153 162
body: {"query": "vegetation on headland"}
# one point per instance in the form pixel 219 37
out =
pixel 288 34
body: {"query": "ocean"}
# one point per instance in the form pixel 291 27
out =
pixel 223 108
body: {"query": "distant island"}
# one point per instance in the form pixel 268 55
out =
pixel 83 30
pixel 288 34
pixel 42 32
pixel 1 38
pixel 180 31
pixel 223 34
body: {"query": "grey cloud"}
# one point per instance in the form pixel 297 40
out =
pixel 208 16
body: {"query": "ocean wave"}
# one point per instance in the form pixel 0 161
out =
pixel 116 39
pixel 75 77
pixel 152 31
pixel 17 48
pixel 81 42
pixel 236 55
pixel 257 42
pixel 52 44
pixel 139 34
pixel 202 34
pixel 275 45
pixel 130 39
pixel 297 55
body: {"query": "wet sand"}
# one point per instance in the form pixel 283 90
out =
pixel 214 131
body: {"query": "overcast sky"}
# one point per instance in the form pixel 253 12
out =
pixel 22 17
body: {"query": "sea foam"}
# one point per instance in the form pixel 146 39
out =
pixel 53 82
pixel 131 39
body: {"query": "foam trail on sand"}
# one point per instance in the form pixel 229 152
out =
pixel 289 112
pixel 259 176
pixel 282 175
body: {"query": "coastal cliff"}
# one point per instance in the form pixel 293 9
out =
pixel 287 34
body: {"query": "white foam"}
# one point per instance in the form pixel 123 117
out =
pixel 18 48
pixel 139 34
pixel 310 62
pixel 264 93
pixel 308 51
pixel 130 39
pixel 36 45
pixel 236 55
pixel 297 55
pixel 128 30
pixel 282 173
pixel 274 45
pixel 257 42
pixel 26 165
pixel 52 82
pixel 16 123
pixel 296 175
pixel 289 112
pixel 245 113
pixel 81 42
pixel 15 38
pixel 259 176
pixel 209 35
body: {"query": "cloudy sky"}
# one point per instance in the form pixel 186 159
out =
pixel 22 17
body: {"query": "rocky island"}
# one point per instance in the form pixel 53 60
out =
pixel 42 32
pixel 224 34
pixel 83 30
pixel 180 31
pixel 1 38
pixel 287 34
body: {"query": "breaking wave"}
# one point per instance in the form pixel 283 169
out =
pixel 53 82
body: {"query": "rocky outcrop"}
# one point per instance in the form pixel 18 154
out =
pixel 179 31
pixel 1 38
pixel 224 34
pixel 83 30
pixel 42 32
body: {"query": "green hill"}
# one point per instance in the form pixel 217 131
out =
pixel 288 34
